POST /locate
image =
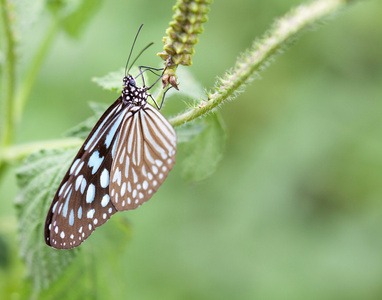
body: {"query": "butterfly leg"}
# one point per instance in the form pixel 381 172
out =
pixel 152 71
pixel 156 103
pixel 147 69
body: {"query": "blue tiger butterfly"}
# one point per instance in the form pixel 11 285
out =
pixel 126 157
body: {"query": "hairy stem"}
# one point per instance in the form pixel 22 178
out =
pixel 17 152
pixel 253 60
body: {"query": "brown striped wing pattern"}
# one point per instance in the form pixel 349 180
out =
pixel 145 154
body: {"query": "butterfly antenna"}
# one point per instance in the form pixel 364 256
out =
pixel 131 51
pixel 140 53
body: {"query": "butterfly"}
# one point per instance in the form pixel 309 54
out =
pixel 126 157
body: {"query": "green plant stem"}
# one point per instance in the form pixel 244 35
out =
pixel 253 60
pixel 18 152
pixel 33 69
pixel 8 79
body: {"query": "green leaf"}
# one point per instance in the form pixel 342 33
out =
pixel 98 108
pixel 83 129
pixel 62 7
pixel 75 23
pixel 38 178
pixel 91 275
pixel 188 131
pixel 75 14
pixel 113 80
pixel 27 13
pixel 205 151
pixel 188 84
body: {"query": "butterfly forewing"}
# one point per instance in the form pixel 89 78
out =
pixel 145 154
pixel 82 201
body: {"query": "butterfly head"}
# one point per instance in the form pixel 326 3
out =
pixel 133 94
pixel 129 80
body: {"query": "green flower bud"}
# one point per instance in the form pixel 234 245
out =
pixel 182 36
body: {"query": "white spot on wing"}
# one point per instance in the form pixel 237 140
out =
pixel 95 161
pixel 155 170
pixel 117 176
pixel 67 190
pixel 71 217
pixel 123 189
pixel 74 165
pixel 135 176
pixel 62 188
pixel 90 213
pixel 83 185
pixel 122 156
pixel 79 168
pixel 113 129
pixel 148 154
pixel 79 181
pixel 105 200
pixel 104 178
pixel 54 207
pixel 90 194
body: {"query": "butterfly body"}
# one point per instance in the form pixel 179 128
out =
pixel 121 164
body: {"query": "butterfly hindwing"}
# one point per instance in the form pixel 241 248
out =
pixel 145 154
pixel 82 201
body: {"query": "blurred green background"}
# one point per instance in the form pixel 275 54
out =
pixel 294 210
